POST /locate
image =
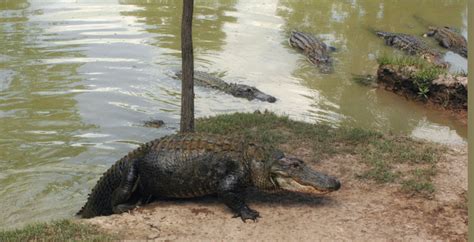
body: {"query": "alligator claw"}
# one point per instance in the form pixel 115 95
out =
pixel 247 213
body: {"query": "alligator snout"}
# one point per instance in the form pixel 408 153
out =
pixel 265 97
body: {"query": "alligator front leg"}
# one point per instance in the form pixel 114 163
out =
pixel 122 195
pixel 230 191
pixel 445 43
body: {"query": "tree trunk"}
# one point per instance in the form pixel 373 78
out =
pixel 187 86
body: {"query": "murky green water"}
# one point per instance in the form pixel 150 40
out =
pixel 78 77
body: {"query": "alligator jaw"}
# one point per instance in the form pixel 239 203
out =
pixel 245 91
pixel 289 184
pixel 292 174
pixel 264 97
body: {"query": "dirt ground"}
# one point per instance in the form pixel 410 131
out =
pixel 361 210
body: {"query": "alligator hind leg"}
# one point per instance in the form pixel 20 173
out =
pixel 231 193
pixel 121 197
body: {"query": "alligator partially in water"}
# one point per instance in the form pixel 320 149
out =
pixel 315 50
pixel 449 38
pixel 412 46
pixel 193 165
pixel 237 90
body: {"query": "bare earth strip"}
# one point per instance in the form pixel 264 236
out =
pixel 360 210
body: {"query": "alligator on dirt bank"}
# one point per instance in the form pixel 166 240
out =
pixel 449 38
pixel 193 165
pixel 412 46
pixel 315 50
pixel 236 90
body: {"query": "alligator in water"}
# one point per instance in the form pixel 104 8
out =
pixel 154 123
pixel 194 165
pixel 412 46
pixel 315 50
pixel 450 39
pixel 447 37
pixel 236 90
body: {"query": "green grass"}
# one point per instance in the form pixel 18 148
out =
pixel 62 230
pixel 403 60
pixel 423 76
pixel 381 153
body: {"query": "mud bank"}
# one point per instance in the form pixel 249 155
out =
pixel 444 90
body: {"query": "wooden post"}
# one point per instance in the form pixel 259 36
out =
pixel 187 86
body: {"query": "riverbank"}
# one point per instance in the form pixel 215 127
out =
pixel 393 187
pixel 421 81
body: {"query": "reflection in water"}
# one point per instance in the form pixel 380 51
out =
pixel 36 129
pixel 77 80
pixel 163 18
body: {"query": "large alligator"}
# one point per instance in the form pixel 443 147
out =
pixel 315 50
pixel 193 165
pixel 412 46
pixel 236 90
pixel 449 38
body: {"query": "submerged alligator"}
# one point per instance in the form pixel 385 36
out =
pixel 193 165
pixel 154 123
pixel 412 46
pixel 236 90
pixel 315 50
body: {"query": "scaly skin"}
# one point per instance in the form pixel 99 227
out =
pixel 194 165
pixel 237 90
pixel 412 46
pixel 315 50
pixel 450 39
pixel 447 37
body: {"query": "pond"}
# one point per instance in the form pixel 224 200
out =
pixel 78 78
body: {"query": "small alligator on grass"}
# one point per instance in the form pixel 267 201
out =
pixel 194 165
pixel 237 90
pixel 315 50
pixel 447 37
pixel 412 46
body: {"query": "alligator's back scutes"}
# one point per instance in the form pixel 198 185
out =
pixel 191 143
pixel 315 50
pixel 234 89
pixel 412 46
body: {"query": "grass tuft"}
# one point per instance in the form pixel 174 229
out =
pixel 61 230
pixel 424 75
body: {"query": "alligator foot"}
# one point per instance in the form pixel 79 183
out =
pixel 231 193
pixel 247 213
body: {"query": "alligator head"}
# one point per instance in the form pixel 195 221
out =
pixel 322 61
pixel 240 90
pixel 292 174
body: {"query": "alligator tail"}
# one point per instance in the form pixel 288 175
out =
pixel 99 201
